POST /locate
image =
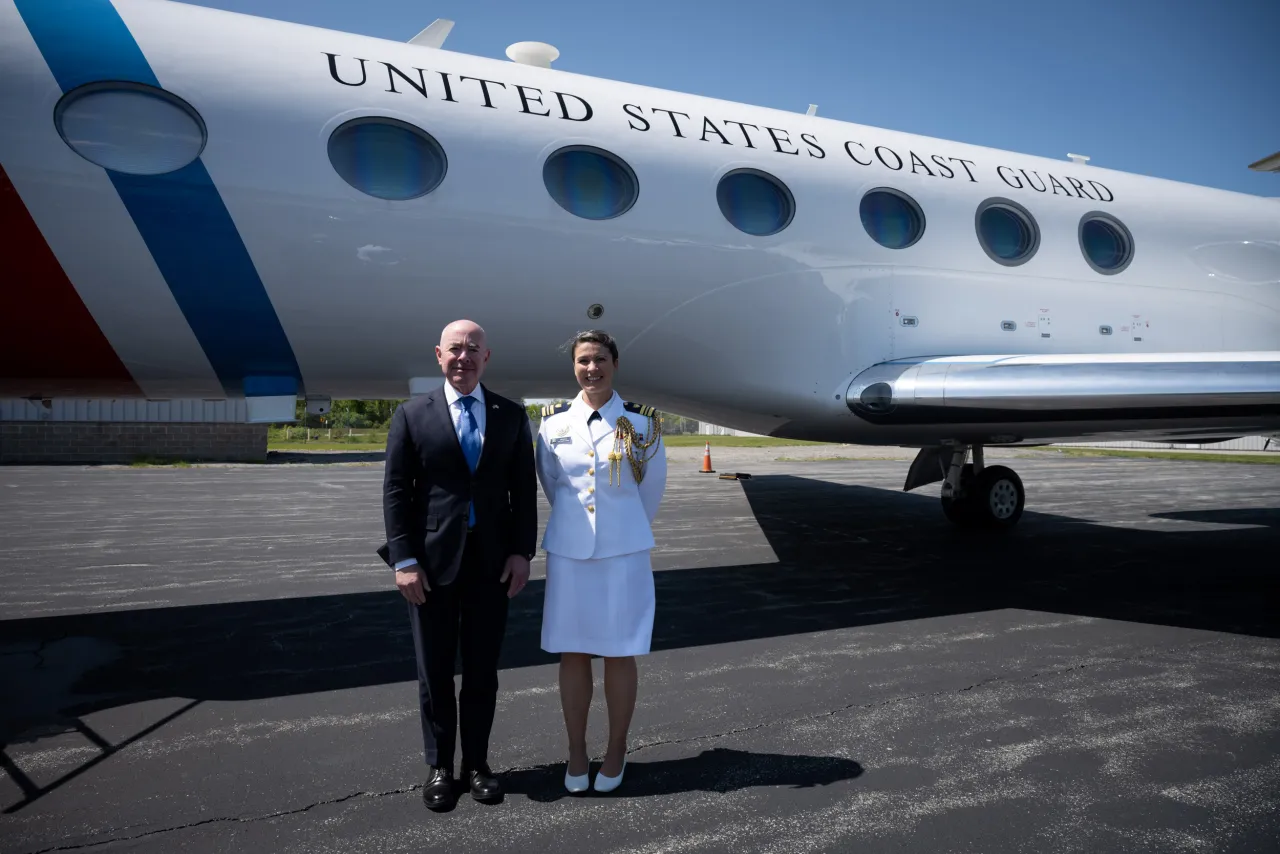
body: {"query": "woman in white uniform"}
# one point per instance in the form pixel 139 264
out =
pixel 603 467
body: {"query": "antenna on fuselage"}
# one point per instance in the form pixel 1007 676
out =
pixel 1078 158
pixel 540 54
pixel 812 111
pixel 434 35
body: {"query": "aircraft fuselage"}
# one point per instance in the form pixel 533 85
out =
pixel 259 259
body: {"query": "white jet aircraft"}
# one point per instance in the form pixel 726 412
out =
pixel 197 203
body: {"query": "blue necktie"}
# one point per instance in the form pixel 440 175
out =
pixel 470 439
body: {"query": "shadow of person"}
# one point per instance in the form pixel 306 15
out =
pixel 717 770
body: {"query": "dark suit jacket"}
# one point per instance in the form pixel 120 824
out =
pixel 427 487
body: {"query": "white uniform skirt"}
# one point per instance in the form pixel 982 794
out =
pixel 599 606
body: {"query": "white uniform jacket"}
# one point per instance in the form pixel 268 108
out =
pixel 589 517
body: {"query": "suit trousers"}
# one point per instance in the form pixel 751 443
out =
pixel 468 615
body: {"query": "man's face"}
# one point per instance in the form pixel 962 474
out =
pixel 462 355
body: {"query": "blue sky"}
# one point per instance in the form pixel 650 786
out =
pixel 1177 89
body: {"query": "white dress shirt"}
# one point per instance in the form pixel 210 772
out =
pixel 457 412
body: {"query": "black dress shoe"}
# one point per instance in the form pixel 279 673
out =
pixel 438 793
pixel 484 786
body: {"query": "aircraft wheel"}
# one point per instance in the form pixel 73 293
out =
pixel 997 497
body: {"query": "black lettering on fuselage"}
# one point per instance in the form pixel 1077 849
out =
pixel 333 70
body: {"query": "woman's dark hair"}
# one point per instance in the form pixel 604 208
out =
pixel 593 336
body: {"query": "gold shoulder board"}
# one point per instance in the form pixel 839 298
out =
pixel 640 409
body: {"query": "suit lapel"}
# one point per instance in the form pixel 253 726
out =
pixel 441 420
pixel 491 426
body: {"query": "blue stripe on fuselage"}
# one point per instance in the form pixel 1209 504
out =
pixel 180 215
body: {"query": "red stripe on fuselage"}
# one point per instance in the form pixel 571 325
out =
pixel 50 345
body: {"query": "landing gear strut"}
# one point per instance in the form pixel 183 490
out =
pixel 979 496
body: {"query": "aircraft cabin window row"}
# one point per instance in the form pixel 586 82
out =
pixel 141 130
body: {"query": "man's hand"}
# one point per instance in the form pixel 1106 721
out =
pixel 413 584
pixel 517 569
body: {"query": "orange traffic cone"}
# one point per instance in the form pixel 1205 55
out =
pixel 706 461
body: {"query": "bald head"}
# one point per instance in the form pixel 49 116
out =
pixel 462 354
pixel 467 329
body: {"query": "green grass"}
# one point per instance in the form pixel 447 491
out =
pixel 340 436
pixel 1153 454
pixel 151 462
pixel 305 447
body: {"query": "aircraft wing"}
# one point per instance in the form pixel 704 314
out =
pixel 1068 387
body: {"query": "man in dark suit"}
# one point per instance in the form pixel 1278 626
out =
pixel 459 504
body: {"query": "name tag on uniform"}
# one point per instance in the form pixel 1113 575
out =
pixel 562 440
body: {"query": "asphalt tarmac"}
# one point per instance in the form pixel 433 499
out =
pixel 212 659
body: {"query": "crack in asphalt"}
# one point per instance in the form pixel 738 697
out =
pixel 233 819
pixel 38 652
pixel 1060 671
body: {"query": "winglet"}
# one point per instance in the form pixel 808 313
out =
pixel 434 35
pixel 812 111
pixel 1267 164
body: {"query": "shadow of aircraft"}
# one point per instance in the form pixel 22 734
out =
pixel 1255 516
pixel 847 556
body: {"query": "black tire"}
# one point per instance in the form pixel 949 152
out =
pixel 997 497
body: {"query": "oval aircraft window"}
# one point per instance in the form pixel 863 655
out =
pixel 1007 232
pixel 892 219
pixel 386 158
pixel 590 182
pixel 1248 261
pixel 1106 243
pixel 130 128
pixel 754 202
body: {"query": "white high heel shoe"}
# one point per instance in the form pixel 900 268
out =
pixel 608 784
pixel 578 783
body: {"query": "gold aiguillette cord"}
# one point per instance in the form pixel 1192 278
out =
pixel 627 441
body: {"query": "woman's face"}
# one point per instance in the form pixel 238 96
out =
pixel 593 366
